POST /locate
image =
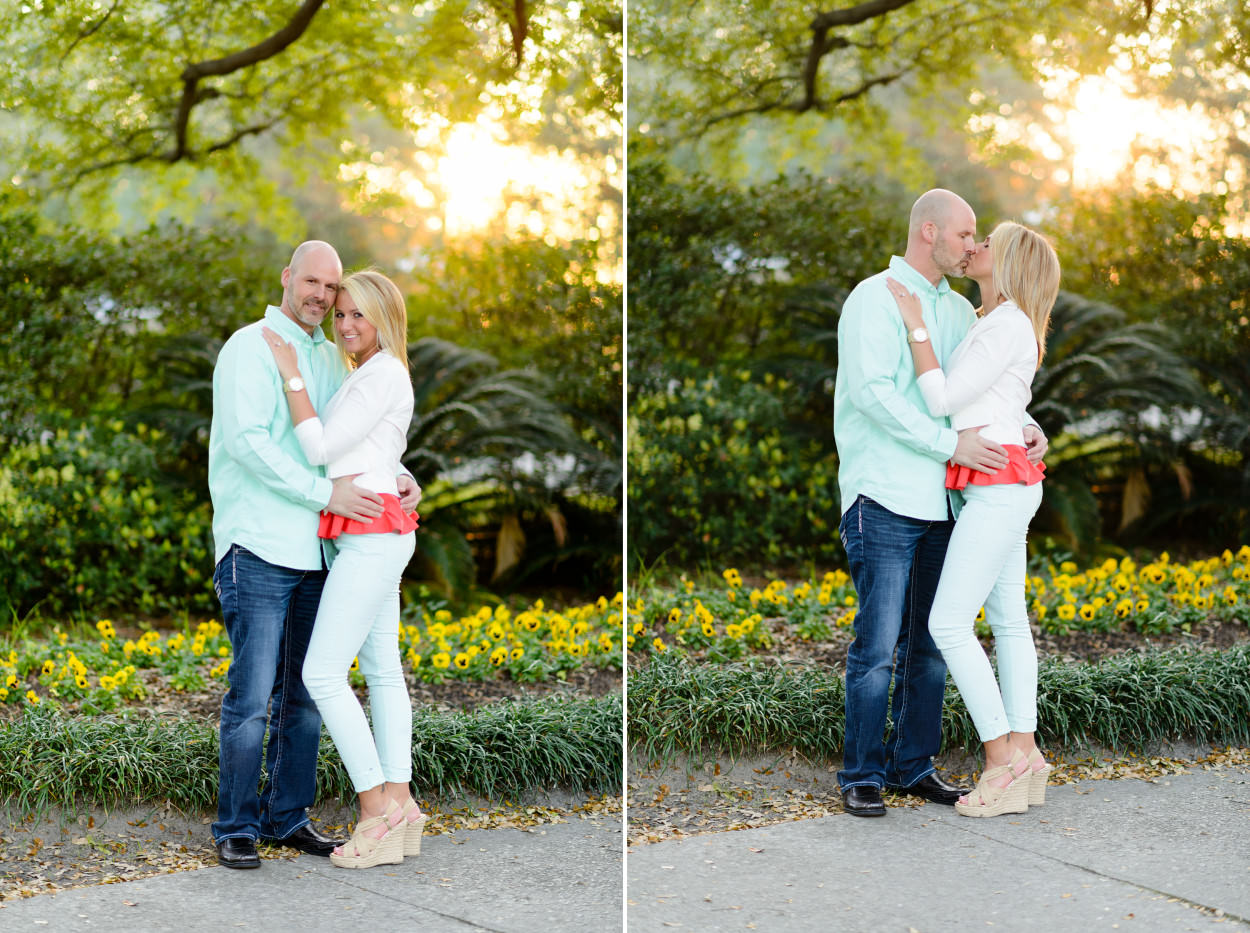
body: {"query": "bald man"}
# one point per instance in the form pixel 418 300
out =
pixel 897 516
pixel 270 568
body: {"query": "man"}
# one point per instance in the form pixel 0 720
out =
pixel 270 568
pixel 897 518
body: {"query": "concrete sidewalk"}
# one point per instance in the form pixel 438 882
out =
pixel 1169 854
pixel 560 877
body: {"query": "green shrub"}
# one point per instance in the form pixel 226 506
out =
pixel 716 474
pixel 89 524
pixel 51 758
pixel 1130 702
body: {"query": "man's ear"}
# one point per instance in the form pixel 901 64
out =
pixel 929 230
pixel 286 276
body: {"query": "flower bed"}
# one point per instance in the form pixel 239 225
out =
pixel 733 620
pixel 101 673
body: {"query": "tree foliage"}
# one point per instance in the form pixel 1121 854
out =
pixel 703 67
pixel 236 103
pixel 712 265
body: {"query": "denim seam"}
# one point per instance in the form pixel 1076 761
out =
pixel 236 836
pixel 295 830
pixel 906 672
pixel 932 770
pixel 275 730
pixel 862 784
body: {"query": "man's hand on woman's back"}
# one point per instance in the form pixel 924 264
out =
pixel 352 502
pixel 975 451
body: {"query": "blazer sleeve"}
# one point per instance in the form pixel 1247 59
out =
pixel 990 352
pixel 356 413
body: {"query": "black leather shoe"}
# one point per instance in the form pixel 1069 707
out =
pixel 308 840
pixel 237 852
pixel 863 800
pixel 931 787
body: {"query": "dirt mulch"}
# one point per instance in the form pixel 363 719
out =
pixel 713 797
pixel 1074 646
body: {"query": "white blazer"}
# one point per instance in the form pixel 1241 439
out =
pixel 364 428
pixel 988 377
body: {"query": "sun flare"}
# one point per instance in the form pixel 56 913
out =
pixel 484 178
pixel 467 178
pixel 1112 134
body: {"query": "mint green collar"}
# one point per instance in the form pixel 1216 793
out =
pixel 277 321
pixel 905 273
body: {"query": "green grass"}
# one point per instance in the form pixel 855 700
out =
pixel 1126 703
pixel 49 758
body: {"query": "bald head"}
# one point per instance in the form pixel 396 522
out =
pixel 941 234
pixel 310 283
pixel 936 206
pixel 314 248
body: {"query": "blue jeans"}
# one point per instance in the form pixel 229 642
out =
pixel 268 612
pixel 895 564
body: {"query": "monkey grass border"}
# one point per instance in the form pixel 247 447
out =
pixel 51 758
pixel 1129 702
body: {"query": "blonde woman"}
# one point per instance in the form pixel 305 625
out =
pixel 987 385
pixel 363 433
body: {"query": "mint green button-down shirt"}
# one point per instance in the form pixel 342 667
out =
pixel 889 447
pixel 266 496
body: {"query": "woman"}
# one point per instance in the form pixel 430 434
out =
pixel 986 385
pixel 364 434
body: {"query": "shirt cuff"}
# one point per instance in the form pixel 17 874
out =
pixel 322 490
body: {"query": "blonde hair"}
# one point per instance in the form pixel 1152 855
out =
pixel 382 304
pixel 1026 271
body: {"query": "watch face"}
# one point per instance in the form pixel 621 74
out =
pixel 295 385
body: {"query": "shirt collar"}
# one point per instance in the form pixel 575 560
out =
pixel 283 325
pixel 905 273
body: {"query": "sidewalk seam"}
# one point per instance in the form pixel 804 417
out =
pixel 438 913
pixel 1194 905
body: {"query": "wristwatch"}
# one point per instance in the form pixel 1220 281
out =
pixel 919 335
pixel 294 384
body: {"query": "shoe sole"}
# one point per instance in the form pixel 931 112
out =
pixel 1037 786
pixel 413 832
pixel 389 851
pixel 1015 799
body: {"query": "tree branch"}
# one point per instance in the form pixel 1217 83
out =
pixel 520 29
pixel 253 130
pixel 822 44
pixel 91 31
pixel 191 75
pixel 860 13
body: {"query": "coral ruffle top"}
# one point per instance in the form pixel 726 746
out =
pixel 393 518
pixel 1017 470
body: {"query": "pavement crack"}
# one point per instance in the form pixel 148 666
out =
pixel 399 900
pixel 1220 911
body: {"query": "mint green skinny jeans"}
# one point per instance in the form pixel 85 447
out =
pixel 359 617
pixel 986 566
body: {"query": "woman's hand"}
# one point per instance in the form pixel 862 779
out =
pixel 908 304
pixel 283 353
